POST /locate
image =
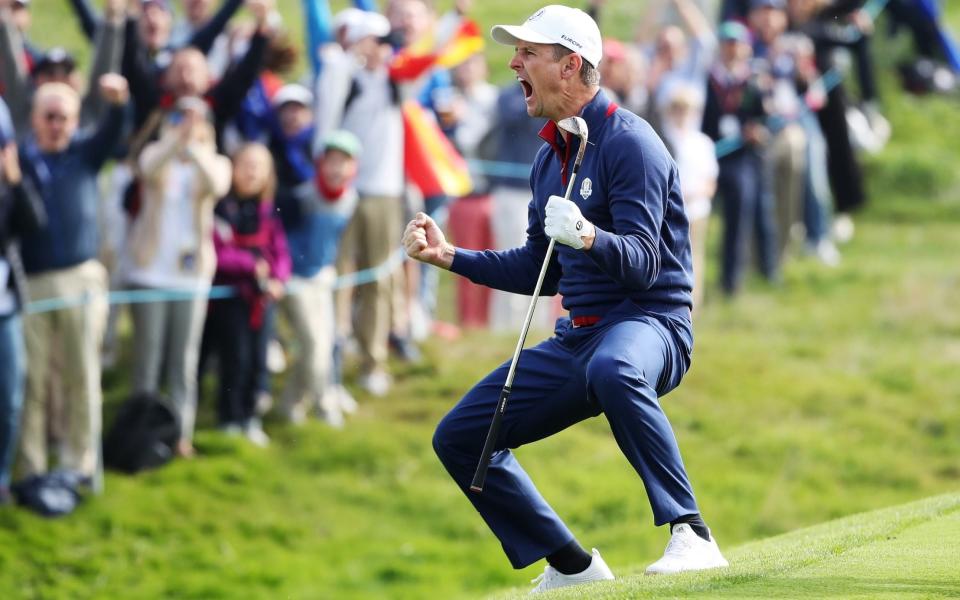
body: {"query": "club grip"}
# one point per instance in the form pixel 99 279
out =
pixel 481 474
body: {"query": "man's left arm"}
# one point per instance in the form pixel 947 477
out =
pixel 99 146
pixel 229 93
pixel 637 185
pixel 107 57
pixel 204 37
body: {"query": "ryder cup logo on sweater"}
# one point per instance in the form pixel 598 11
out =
pixel 586 188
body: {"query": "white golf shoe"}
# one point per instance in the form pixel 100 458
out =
pixel 687 551
pixel 552 579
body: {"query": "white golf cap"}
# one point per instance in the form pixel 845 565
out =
pixel 555 24
pixel 293 92
pixel 359 24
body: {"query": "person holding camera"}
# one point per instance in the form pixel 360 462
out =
pixel 170 247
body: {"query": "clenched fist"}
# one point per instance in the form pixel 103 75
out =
pixel 424 241
pixel 114 88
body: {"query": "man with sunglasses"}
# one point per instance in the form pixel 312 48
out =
pixel 60 262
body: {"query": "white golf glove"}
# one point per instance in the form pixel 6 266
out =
pixel 565 223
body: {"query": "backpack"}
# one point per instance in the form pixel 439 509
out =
pixel 143 435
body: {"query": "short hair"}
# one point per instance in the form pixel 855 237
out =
pixel 57 90
pixel 589 74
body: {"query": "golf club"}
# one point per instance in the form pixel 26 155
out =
pixel 578 127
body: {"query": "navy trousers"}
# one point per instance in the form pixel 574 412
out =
pixel 619 367
pixel 748 213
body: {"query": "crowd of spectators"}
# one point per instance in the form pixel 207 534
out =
pixel 193 160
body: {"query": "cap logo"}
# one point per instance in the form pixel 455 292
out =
pixel 536 15
pixel 566 38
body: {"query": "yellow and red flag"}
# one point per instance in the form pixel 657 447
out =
pixel 416 59
pixel 430 160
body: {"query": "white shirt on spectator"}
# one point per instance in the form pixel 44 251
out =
pixel 174 264
pixel 696 159
pixel 375 119
pixel 331 90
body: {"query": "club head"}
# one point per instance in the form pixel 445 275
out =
pixel 575 125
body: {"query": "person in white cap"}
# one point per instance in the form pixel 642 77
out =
pixel 357 33
pixel 623 267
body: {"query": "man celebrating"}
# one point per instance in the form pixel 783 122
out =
pixel 623 267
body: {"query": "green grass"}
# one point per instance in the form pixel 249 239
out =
pixel 906 551
pixel 835 393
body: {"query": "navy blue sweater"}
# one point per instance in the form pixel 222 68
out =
pixel 629 188
pixel 67 182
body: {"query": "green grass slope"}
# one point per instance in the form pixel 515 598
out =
pixel 904 552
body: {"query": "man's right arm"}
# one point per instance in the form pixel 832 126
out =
pixel 515 270
pixel 140 72
pixel 107 57
pixel 204 37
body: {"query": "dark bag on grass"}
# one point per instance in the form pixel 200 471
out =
pixel 143 435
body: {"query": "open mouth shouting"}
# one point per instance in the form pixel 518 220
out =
pixel 528 94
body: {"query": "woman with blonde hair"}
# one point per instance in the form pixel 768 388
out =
pixel 253 258
pixel 171 249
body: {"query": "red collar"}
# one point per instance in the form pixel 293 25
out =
pixel 561 145
pixel 551 134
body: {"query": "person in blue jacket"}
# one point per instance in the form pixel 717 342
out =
pixel 623 267
pixel 63 345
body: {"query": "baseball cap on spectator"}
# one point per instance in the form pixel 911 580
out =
pixel 775 4
pixel 21 3
pixel 346 16
pixel 359 24
pixel 293 92
pixel 733 31
pixel 614 50
pixel 55 58
pixel 344 141
pixel 554 24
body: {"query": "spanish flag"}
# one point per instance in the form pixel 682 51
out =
pixel 430 160
pixel 416 59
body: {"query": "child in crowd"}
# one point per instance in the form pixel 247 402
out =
pixel 696 157
pixel 171 247
pixel 314 218
pixel 252 257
